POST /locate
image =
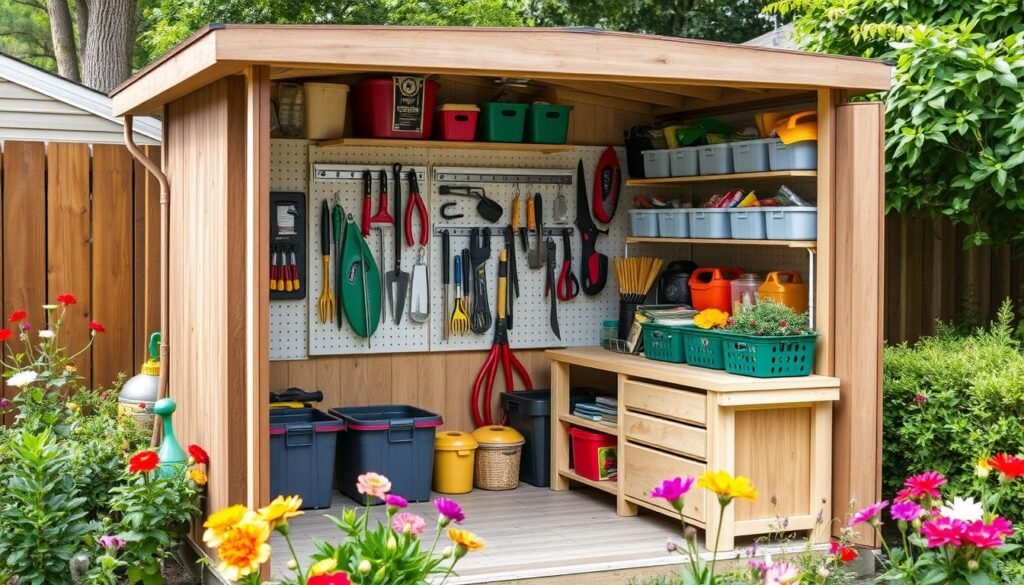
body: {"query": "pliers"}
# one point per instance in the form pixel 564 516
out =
pixel 568 285
pixel 416 201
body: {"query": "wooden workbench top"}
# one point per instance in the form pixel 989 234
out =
pixel 681 374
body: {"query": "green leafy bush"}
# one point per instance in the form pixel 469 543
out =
pixel 769 317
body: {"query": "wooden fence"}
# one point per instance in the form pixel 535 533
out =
pixel 82 219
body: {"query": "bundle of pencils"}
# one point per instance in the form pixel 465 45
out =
pixel 635 276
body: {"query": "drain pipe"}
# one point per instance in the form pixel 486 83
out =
pixel 165 200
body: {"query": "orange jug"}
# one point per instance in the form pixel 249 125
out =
pixel 710 288
pixel 785 287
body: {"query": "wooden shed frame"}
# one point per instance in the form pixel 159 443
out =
pixel 213 93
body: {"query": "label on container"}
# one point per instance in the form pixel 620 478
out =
pixel 408 104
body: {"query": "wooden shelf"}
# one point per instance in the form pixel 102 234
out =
pixel 606 428
pixel 669 181
pixel 612 487
pixel 399 143
pixel 726 242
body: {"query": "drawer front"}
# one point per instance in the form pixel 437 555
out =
pixel 647 468
pixel 673 403
pixel 675 437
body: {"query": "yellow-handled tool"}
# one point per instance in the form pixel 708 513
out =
pixel 326 303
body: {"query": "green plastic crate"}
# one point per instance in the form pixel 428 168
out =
pixel 770 356
pixel 502 122
pixel 664 343
pixel 548 124
pixel 704 347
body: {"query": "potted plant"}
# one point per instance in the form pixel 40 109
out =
pixel 769 340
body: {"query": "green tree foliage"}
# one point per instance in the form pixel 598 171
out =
pixel 25 32
pixel 955 114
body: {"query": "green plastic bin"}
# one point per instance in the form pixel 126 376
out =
pixel 703 347
pixel 664 343
pixel 769 356
pixel 548 124
pixel 502 122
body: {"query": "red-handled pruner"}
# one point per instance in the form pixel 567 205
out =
pixel 367 186
pixel 382 205
pixel 568 285
pixel 415 201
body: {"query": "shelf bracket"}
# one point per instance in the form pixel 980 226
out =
pixel 812 261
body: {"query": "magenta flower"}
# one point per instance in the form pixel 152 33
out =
pixel 673 491
pixel 408 523
pixel 920 399
pixel 942 531
pixel 904 495
pixel 449 511
pixel 906 511
pixel 111 541
pixel 990 535
pixel 395 501
pixel 4 404
pixel 925 484
pixel 869 514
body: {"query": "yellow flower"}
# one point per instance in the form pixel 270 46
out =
pixel 221 521
pixel 73 407
pixel 244 548
pixel 711 319
pixel 727 487
pixel 197 476
pixel 282 509
pixel 70 369
pixel 982 468
pixel 465 539
pixel 323 567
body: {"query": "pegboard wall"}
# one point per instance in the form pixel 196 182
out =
pixel 288 327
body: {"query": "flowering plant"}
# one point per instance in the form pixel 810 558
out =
pixel 769 317
pixel 711 319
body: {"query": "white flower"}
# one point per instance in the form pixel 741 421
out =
pixel 22 378
pixel 46 333
pixel 964 510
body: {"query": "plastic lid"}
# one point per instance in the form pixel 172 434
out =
pixel 457 108
pixel 498 435
pixel 750 276
pixel 150 367
pixel 454 441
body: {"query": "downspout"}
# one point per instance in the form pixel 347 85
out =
pixel 165 200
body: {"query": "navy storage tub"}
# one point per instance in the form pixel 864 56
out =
pixel 302 445
pixel 394 440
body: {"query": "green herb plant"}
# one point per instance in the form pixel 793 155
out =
pixel 768 317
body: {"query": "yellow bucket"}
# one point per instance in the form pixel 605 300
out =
pixel 454 456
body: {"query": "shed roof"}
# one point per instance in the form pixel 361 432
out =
pixel 566 55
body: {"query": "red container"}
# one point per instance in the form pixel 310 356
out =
pixel 594 454
pixel 710 288
pixel 456 122
pixel 394 107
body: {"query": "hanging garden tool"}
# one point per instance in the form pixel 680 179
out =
pixel 500 354
pixel 359 284
pixel 549 287
pixel 415 201
pixel 488 209
pixel 285 270
pixel 607 185
pixel 467 279
pixel 459 323
pixel 419 290
pixel 397 280
pixel 326 303
pixel 273 268
pixel 594 265
pixel 537 255
pixel 568 285
pixel 337 220
pixel 382 215
pixel 516 225
pixel 294 267
pixel 480 253
pixel 445 280
pixel 383 286
pixel 513 274
pixel 367 189
pixel 446 214
pixel 561 211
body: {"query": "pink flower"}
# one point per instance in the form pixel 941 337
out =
pixel 942 531
pixel 395 501
pixel 781 574
pixel 906 511
pixel 449 511
pixel 111 541
pixel 374 485
pixel 869 514
pixel 673 490
pixel 904 495
pixel 920 399
pixel 925 484
pixel 991 535
pixel 408 523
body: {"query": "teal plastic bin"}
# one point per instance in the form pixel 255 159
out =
pixel 502 122
pixel 302 447
pixel 548 124
pixel 769 356
pixel 703 347
pixel 664 343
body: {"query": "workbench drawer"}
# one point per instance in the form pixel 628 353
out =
pixel 673 403
pixel 671 436
pixel 647 468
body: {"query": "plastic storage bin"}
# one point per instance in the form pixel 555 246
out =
pixel 594 454
pixel 715 159
pixel 769 356
pixel 325 110
pixel 796 156
pixel 663 343
pixel 674 223
pixel 703 347
pixel 529 412
pixel 751 156
pixel 791 223
pixel 548 123
pixel 682 162
pixel 454 458
pixel 502 122
pixel 376 115
pixel 710 223
pixel 747 223
pixel 711 288
pixel 656 163
pixel 302 447
pixel 497 457
pixel 395 440
pixel 785 287
pixel 456 122
pixel 643 223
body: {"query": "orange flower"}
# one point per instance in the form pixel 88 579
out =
pixel 465 540
pixel 143 461
pixel 197 476
pixel 66 299
pixel 218 524
pixel 243 549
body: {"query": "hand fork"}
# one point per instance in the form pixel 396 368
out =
pixel 459 324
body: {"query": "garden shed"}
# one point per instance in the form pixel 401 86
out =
pixel 811 441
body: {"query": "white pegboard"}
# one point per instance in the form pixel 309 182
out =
pixel 288 170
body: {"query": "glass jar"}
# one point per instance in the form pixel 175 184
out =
pixel 609 332
pixel 744 291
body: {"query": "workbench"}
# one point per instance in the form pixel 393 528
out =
pixel 680 420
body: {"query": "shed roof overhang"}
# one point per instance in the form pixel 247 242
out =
pixel 557 56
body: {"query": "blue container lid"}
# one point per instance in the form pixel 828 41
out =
pixel 386 416
pixel 284 419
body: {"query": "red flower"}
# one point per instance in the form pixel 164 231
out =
pixel 1010 466
pixel 18 315
pixel 143 461
pixel 5 334
pixel 97 327
pixel 782 323
pixel 845 554
pixel 197 453
pixel 339 578
pixel 67 299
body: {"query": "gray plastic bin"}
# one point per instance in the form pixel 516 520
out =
pixel 529 412
pixel 715 159
pixel 794 157
pixel 791 223
pixel 302 447
pixel 751 156
pixel 394 440
pixel 682 162
pixel 656 163
pixel 747 223
pixel 710 223
pixel 674 223
pixel 643 223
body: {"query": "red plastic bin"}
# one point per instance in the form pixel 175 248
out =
pixel 587 447
pixel 456 122
pixel 374 111
pixel 711 288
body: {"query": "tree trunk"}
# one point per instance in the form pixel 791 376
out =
pixel 107 60
pixel 63 34
pixel 82 20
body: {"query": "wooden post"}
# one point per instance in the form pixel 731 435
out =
pixel 559 439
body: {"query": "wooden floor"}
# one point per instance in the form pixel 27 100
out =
pixel 530 532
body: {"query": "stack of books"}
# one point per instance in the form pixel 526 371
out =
pixel 604 409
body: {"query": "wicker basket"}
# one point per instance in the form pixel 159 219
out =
pixel 497 458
